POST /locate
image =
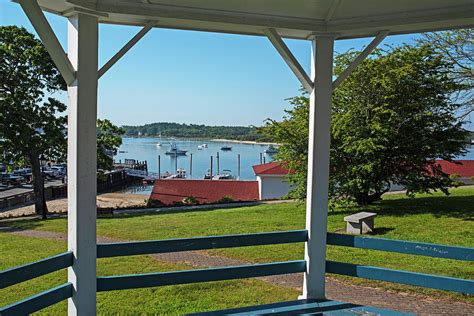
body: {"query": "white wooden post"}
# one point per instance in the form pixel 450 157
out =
pixel 82 162
pixel 318 168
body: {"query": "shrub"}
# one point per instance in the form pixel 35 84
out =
pixel 226 199
pixel 190 200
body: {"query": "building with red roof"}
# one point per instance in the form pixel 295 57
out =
pixel 172 191
pixel 272 180
pixel 462 168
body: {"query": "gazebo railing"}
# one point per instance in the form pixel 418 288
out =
pixel 42 300
pixel 399 276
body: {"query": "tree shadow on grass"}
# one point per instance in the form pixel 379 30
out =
pixel 440 206
pixel 381 231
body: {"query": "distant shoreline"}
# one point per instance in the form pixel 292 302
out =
pixel 223 140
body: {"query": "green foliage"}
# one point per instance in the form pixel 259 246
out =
pixel 195 131
pixel 109 139
pixel 30 124
pixel 391 119
pixel 226 199
pixel 190 200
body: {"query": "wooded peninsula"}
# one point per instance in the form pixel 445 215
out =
pixel 166 129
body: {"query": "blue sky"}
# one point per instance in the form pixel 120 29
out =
pixel 191 77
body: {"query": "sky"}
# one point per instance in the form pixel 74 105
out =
pixel 191 77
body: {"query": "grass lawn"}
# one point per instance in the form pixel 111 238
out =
pixel 176 300
pixel 427 218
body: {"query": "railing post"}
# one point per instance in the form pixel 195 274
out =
pixel 82 163
pixel 318 168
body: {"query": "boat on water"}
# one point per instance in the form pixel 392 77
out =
pixel 208 175
pixel 180 174
pixel 174 151
pixel 225 175
pixel 158 145
pixel 202 146
pixel 226 148
pixel 271 150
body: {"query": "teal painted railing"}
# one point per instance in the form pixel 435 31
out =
pixel 45 266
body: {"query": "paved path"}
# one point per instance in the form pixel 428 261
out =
pixel 6 192
pixel 335 289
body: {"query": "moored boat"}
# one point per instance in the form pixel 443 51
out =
pixel 226 148
pixel 225 175
pixel 174 151
pixel 271 150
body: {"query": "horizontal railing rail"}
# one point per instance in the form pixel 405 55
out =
pixel 35 269
pixel 401 246
pixel 199 243
pixel 402 277
pixel 133 281
pixel 39 301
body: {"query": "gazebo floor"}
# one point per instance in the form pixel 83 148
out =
pixel 306 307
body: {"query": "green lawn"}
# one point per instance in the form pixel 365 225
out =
pixel 176 300
pixel 426 218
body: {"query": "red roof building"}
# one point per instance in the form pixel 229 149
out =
pixel 272 180
pixel 463 168
pixel 271 168
pixel 170 192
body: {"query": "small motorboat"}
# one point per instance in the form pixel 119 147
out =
pixel 225 175
pixel 208 175
pixel 174 151
pixel 226 148
pixel 271 150
pixel 180 174
pixel 148 181
pixel 202 146
pixel 158 145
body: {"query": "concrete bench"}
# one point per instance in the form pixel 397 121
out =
pixel 360 223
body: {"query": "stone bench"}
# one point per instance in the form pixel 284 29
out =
pixel 360 223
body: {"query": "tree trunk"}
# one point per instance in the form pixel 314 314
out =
pixel 40 202
pixel 364 198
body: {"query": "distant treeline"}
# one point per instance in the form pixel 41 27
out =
pixel 195 131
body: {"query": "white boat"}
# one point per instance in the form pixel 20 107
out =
pixel 271 150
pixel 225 175
pixel 180 174
pixel 201 147
pixel 174 151
pixel 158 145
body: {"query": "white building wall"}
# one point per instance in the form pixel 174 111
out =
pixel 272 186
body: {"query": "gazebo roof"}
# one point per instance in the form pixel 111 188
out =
pixel 291 18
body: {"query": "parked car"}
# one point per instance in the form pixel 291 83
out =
pixel 25 173
pixel 58 171
pixel 11 179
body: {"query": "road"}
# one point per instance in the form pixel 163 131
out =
pixel 24 188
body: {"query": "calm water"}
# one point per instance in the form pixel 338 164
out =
pixel 146 149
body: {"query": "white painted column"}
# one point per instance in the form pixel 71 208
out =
pixel 318 168
pixel 82 163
